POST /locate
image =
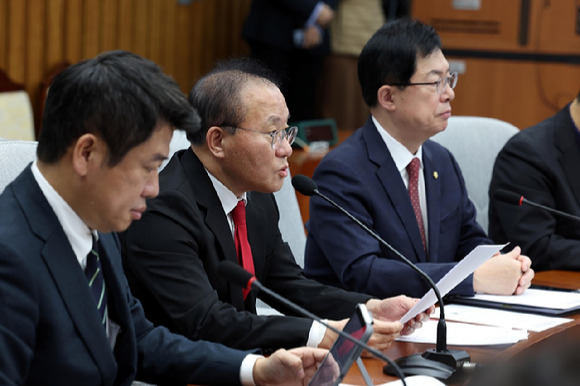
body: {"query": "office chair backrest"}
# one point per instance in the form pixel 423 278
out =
pixel 16 117
pixel 475 143
pixel 14 157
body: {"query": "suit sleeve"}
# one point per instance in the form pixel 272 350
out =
pixel 167 358
pixel 19 312
pixel 170 252
pixel 180 360
pixel 287 278
pixel 526 167
pixel 359 262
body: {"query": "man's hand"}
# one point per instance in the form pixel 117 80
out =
pixel 507 274
pixel 325 16
pixel 393 309
pixel 288 367
pixel 386 326
pixel 312 37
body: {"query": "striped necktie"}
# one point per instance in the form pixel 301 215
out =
pixel 94 276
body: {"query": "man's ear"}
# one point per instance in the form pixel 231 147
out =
pixel 85 152
pixel 214 139
pixel 385 97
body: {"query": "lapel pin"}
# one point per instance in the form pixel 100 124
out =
pixel 435 175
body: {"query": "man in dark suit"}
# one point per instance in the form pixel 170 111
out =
pixel 543 164
pixel 406 82
pixel 67 315
pixel 238 157
pixel 291 37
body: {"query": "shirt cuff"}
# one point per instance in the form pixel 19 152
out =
pixel 247 369
pixel 314 15
pixel 317 332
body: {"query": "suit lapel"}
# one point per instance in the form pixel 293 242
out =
pixel 433 198
pixel 67 274
pixel 570 155
pixel 394 186
pixel 209 204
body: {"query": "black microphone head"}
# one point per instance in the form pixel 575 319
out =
pixel 235 273
pixel 304 185
pixel 509 197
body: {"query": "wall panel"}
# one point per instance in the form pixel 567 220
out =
pixel 519 66
pixel 185 40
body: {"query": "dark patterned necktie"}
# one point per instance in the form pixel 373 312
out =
pixel 413 171
pixel 94 275
pixel 241 240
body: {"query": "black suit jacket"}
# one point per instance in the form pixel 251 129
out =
pixel 50 331
pixel 171 257
pixel 272 22
pixel 543 164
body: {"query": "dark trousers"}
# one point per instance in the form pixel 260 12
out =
pixel 299 71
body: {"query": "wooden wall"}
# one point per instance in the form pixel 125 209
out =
pixel 186 40
pixel 520 75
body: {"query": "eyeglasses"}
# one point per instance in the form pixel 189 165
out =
pixel 278 136
pixel 440 85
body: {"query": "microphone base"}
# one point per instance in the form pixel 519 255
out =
pixel 438 364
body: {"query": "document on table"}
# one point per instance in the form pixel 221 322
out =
pixel 500 318
pixel 542 301
pixel 413 380
pixel 464 334
pixel 456 275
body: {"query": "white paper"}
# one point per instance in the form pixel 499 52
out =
pixel 456 275
pixel 464 334
pixel 500 318
pixel 414 380
pixel 560 300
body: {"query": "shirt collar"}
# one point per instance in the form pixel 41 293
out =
pixel 77 232
pixel 227 198
pixel 400 154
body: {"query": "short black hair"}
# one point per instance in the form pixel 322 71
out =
pixel 217 95
pixel 118 96
pixel 390 55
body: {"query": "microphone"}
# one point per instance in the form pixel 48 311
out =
pixel 236 274
pixel 516 199
pixel 439 362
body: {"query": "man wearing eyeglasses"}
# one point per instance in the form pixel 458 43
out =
pixel 237 160
pixel 406 188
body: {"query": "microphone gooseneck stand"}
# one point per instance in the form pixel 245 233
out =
pixel 517 199
pixel 440 362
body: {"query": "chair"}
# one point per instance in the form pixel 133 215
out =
pixel 475 143
pixel 14 157
pixel 16 117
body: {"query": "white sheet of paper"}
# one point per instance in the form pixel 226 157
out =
pixel 464 334
pixel 561 300
pixel 500 318
pixel 456 275
pixel 414 380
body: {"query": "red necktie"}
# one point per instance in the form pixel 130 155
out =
pixel 241 240
pixel 413 171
